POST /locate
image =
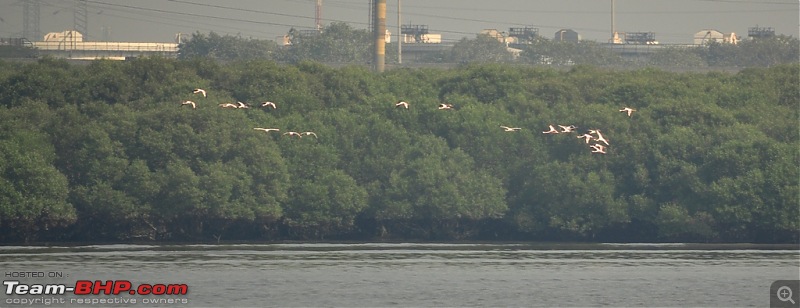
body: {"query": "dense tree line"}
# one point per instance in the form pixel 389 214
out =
pixel 106 152
pixel 340 43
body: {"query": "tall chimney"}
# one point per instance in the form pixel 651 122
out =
pixel 613 30
pixel 399 36
pixel 318 15
pixel 380 35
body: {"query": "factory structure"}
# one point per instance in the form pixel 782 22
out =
pixel 414 41
pixel 707 36
pixel 70 44
pixel 417 42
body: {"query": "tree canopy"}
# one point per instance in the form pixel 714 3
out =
pixel 106 152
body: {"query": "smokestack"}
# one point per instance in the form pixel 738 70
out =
pixel 380 35
pixel 613 30
pixel 399 36
pixel 318 15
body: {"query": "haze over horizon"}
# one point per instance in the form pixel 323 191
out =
pixel 673 22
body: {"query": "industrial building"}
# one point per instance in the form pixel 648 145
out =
pixel 507 39
pixel 567 35
pixel 70 45
pixel 524 35
pixel 760 32
pixel 414 34
pixel 706 36
pixel 418 43
pixel 501 37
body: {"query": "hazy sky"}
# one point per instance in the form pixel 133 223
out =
pixel 672 21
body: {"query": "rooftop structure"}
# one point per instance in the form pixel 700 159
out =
pixel 760 32
pixel 567 35
pixel 16 42
pixel 501 37
pixel 417 32
pixel 64 36
pixel 524 34
pixel 706 36
pixel 69 44
pixel 645 38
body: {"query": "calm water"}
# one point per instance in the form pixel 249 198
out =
pixel 267 275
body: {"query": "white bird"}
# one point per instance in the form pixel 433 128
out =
pixel 587 136
pixel 445 106
pixel 403 104
pixel 510 129
pixel 598 148
pixel 600 137
pixel 567 129
pixel 299 135
pixel 269 104
pixel 201 91
pixel 243 105
pixel 228 105
pixel 551 131
pixel 629 110
pixel 189 103
pixel 267 129
pixel 309 134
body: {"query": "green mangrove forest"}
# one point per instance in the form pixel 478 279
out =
pixel 108 152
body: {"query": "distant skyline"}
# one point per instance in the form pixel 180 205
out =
pixel 673 22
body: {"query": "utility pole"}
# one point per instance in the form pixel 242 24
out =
pixel 380 35
pixel 318 16
pixel 30 20
pixel 399 36
pixel 613 31
pixel 81 18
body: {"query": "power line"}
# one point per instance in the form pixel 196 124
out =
pixel 198 15
pixel 246 10
pixel 161 21
pixel 751 2
pixel 239 9
pixel 257 11
pixel 150 10
pixel 207 20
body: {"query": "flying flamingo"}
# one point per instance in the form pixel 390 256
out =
pixel 510 129
pixel 629 110
pixel 228 105
pixel 567 129
pixel 267 129
pixel 598 148
pixel 587 136
pixel 551 131
pixel 299 135
pixel 600 137
pixel 403 104
pixel 201 91
pixel 243 105
pixel 189 103
pixel 269 104
pixel 445 106
pixel 309 134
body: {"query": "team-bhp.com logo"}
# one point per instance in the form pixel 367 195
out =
pixel 97 287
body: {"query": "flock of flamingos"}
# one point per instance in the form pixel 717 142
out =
pixel 588 136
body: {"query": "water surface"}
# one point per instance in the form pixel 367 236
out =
pixel 412 274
